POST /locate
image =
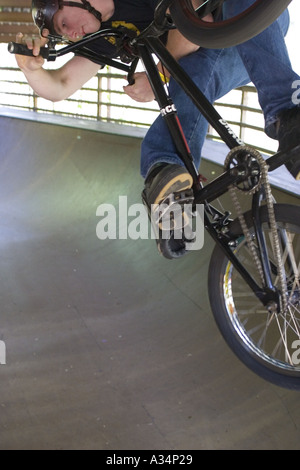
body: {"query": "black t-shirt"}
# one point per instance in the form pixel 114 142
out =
pixel 135 15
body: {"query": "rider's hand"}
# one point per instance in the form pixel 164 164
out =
pixel 27 63
pixel 141 89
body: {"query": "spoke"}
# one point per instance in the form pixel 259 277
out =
pixel 296 283
pixel 266 327
pixel 269 335
pixel 293 320
pixel 284 342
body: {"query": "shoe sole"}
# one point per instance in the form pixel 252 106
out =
pixel 179 182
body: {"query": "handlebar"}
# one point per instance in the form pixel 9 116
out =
pixel 51 54
pixel 48 53
pixel 22 49
pixel 125 40
pixel 80 47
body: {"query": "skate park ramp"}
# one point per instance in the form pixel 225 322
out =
pixel 108 345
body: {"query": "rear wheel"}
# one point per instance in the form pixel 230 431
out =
pixel 229 32
pixel 268 343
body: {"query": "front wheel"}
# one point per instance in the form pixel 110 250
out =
pixel 267 342
pixel 230 32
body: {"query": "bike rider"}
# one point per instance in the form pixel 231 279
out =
pixel 263 60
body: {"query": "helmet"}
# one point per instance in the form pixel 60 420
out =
pixel 43 12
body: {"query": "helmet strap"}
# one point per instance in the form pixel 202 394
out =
pixel 85 6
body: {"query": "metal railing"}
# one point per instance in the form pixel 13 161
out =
pixel 15 16
pixel 103 99
pixel 241 109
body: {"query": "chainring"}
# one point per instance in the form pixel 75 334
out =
pixel 252 161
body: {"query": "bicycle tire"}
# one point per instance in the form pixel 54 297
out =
pixel 251 332
pixel 230 32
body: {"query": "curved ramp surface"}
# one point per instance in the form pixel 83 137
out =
pixel 108 345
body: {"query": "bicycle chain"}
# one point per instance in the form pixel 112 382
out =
pixel 263 181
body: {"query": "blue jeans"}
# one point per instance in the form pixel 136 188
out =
pixel 263 60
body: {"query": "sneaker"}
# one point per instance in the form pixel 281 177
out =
pixel 288 134
pixel 168 184
pixel 166 179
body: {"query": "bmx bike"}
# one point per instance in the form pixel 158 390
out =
pixel 253 280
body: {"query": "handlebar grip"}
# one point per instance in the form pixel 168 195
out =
pixel 22 49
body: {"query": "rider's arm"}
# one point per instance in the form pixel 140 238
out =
pixel 59 84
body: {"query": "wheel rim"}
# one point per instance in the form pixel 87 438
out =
pixel 274 339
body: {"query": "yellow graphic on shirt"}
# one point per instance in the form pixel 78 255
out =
pixel 115 24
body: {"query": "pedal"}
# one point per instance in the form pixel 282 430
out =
pixel 174 212
pixel 172 240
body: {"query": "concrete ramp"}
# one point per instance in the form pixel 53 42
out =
pixel 108 345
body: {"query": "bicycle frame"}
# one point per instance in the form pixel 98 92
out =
pixel 143 47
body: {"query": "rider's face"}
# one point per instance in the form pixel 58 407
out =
pixel 75 22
